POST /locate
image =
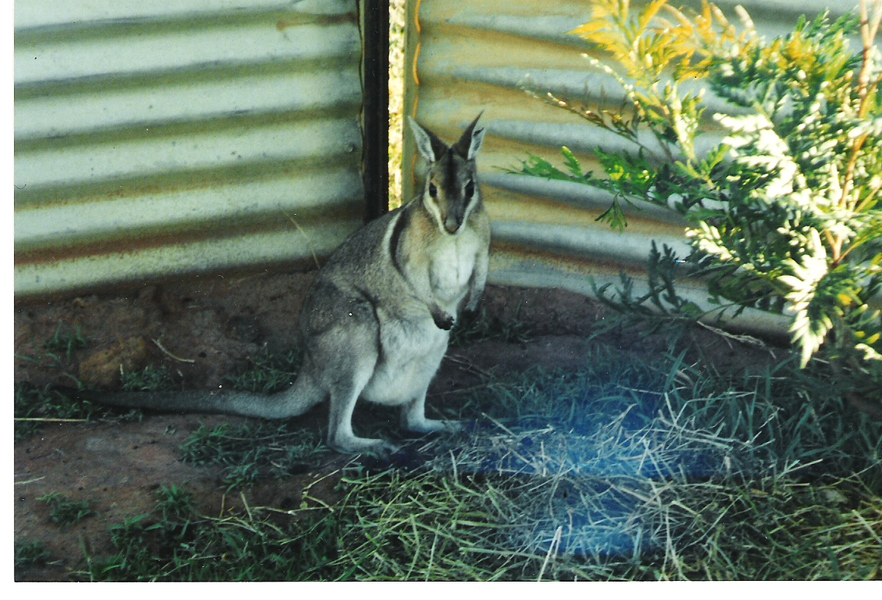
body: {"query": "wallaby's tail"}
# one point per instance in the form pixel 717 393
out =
pixel 296 400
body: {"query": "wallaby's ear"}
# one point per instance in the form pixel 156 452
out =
pixel 431 148
pixel 472 139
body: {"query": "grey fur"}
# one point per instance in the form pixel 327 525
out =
pixel 375 322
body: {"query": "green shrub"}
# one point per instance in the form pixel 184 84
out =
pixel 783 212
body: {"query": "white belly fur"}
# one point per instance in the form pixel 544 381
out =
pixel 413 345
pixel 410 356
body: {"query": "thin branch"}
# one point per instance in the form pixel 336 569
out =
pixel 869 29
pixel 170 355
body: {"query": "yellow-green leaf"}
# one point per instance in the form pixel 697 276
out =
pixel 649 12
pixel 588 30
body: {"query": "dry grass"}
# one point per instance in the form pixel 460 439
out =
pixel 624 470
pixel 631 471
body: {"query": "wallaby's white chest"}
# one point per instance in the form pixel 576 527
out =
pixel 452 265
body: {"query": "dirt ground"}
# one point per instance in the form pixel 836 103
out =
pixel 202 331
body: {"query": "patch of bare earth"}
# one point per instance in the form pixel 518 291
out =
pixel 202 331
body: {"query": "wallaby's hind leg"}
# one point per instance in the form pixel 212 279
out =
pixel 413 418
pixel 350 375
pixel 351 372
pixel 342 338
pixel 340 434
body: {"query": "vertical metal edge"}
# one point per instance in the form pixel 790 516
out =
pixel 374 24
pixel 411 95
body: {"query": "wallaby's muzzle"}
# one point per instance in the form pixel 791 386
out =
pixel 452 223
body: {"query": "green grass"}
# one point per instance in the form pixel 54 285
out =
pixel 33 407
pixel 393 526
pixel 255 450
pixel 764 476
pixel 30 554
pixel 57 352
pixel 626 470
pixel 268 372
pixel 63 511
pixel 174 501
pixel 261 449
pixel 149 379
pixel 66 341
pixel 180 545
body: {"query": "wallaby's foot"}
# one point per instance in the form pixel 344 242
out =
pixel 413 418
pixel 355 445
pixel 432 425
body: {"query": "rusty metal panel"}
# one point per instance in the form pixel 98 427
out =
pixel 464 56
pixel 156 139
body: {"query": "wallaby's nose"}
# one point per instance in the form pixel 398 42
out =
pixel 452 223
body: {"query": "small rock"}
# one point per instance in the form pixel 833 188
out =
pixel 102 368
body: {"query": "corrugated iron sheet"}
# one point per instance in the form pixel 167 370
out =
pixel 464 56
pixel 156 139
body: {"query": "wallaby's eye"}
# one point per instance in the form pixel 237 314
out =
pixel 433 190
pixel 470 189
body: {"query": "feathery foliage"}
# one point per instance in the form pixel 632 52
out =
pixel 783 212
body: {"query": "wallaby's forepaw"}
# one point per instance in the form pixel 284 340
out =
pixel 443 320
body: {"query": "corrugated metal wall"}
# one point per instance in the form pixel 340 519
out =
pixel 464 56
pixel 157 138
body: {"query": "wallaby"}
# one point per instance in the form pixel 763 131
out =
pixel 376 320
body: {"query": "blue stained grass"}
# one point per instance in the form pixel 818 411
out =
pixel 598 445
